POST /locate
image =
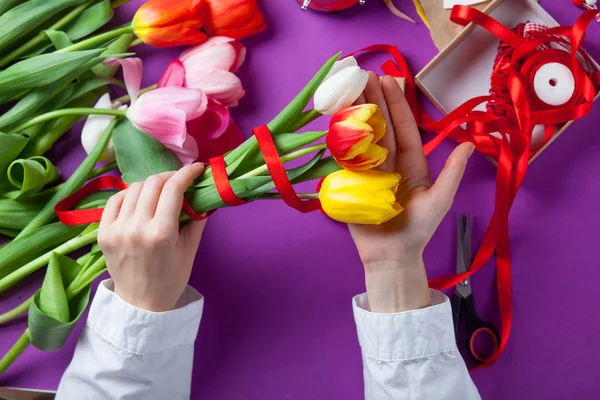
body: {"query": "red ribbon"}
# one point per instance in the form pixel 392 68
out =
pixel 222 184
pixel 518 121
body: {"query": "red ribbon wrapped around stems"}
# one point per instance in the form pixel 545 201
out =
pixel 218 166
pixel 525 112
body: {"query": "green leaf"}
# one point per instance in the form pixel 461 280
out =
pixel 6 5
pixel 72 184
pixel 31 175
pixel 59 39
pixel 139 155
pixel 321 169
pixel 16 214
pixel 44 69
pixel 120 45
pixel 47 333
pixel 52 299
pixel 29 246
pixel 11 145
pixel 26 17
pixel 92 19
pixel 292 111
pixel 8 232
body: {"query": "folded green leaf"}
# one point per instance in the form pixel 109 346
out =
pixel 92 19
pixel 31 175
pixel 11 145
pixel 139 155
pixel 52 315
pixel 44 69
pixel 26 17
pixel 59 39
pixel 52 299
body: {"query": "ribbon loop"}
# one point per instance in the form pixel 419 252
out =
pixel 222 183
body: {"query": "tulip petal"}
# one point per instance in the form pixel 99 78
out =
pixel 174 75
pixel 132 74
pixel 94 128
pixel 219 84
pixel 168 36
pixel 361 112
pixel 229 140
pixel 192 102
pixel 210 125
pixel 340 65
pixel 373 157
pixel 349 138
pixel 364 180
pixel 168 126
pixel 359 207
pixel 341 90
pixel 233 18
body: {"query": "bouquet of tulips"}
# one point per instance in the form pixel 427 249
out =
pixel 161 128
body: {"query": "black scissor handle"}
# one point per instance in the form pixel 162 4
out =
pixel 476 327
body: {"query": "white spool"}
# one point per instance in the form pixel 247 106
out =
pixel 554 84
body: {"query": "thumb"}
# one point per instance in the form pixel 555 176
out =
pixel 447 183
pixel 191 233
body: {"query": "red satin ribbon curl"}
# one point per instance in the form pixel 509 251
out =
pixel 222 184
pixel 518 121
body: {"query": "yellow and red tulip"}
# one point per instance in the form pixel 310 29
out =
pixel 367 197
pixel 353 134
pixel 164 23
pixel 236 19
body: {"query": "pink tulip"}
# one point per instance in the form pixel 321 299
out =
pixel 164 113
pixel 210 67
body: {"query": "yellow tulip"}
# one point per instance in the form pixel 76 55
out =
pixel 367 197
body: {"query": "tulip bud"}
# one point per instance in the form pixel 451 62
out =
pixel 236 19
pixel 94 128
pixel 367 197
pixel 342 86
pixel 352 135
pixel 164 23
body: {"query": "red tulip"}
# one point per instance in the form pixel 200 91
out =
pixel 352 135
pixel 164 23
pixel 233 18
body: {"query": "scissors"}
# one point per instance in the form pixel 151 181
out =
pixel 463 296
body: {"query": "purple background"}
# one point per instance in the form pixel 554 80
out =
pixel 278 284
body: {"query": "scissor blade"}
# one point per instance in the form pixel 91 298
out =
pixel 463 256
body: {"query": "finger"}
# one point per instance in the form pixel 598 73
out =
pixel 146 206
pixel 448 181
pixel 362 99
pixel 132 194
pixel 112 209
pixel 374 94
pixel 410 148
pixel 171 198
pixel 192 233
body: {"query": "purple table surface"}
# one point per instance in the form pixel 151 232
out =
pixel 278 284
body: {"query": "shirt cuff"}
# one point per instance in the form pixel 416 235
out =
pixel 143 332
pixel 407 335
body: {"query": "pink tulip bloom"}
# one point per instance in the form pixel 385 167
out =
pixel 164 113
pixel 210 67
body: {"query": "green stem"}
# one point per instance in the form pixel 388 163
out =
pixel 277 196
pixel 127 99
pixel 15 312
pixel 68 111
pixel 41 36
pixel 136 42
pixel 119 3
pixel 289 157
pixel 18 348
pixel 102 170
pixel 305 118
pixel 76 243
pixel 98 39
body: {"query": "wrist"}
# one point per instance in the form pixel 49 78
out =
pixel 156 304
pixel 395 286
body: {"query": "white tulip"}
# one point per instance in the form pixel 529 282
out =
pixel 341 88
pixel 96 125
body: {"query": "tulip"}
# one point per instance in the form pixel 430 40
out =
pixel 214 131
pixel 352 135
pixel 164 23
pixel 341 87
pixel 209 67
pixel 94 128
pixel 237 19
pixel 367 197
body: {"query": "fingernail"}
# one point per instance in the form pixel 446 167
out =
pixel 199 165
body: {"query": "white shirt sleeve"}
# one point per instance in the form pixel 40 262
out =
pixel 412 355
pixel 128 353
